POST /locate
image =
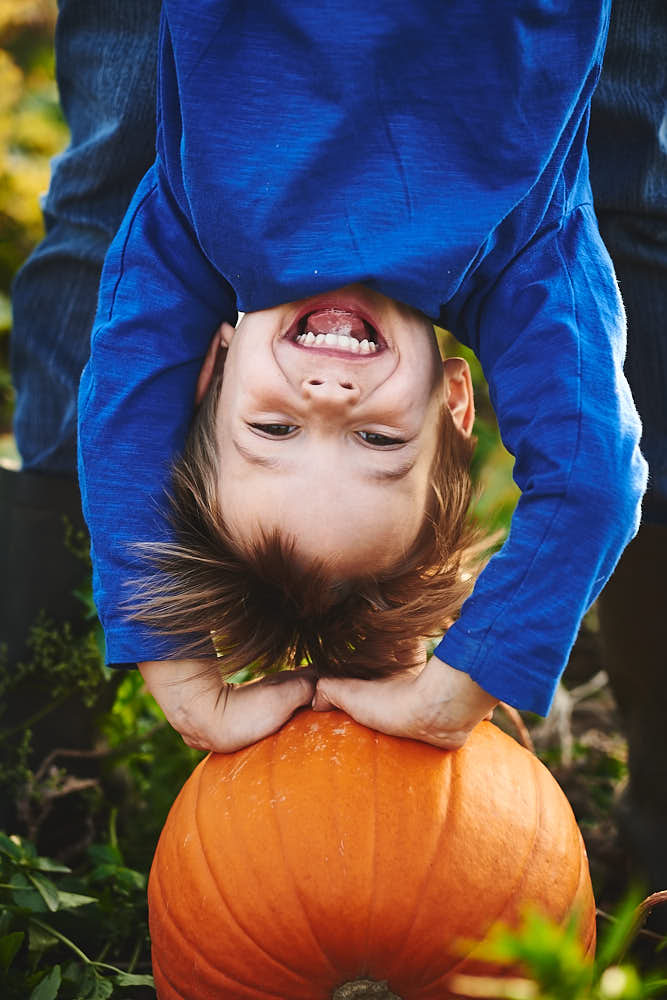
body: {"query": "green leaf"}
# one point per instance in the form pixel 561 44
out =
pixel 102 988
pixel 25 896
pixel 5 313
pixel 618 934
pixel 105 854
pixel 48 988
pixel 85 595
pixel 9 847
pixel 241 676
pixel 85 981
pixel 124 878
pixel 101 873
pixel 9 945
pixel 73 972
pixel 130 879
pixel 70 900
pixel 130 979
pixel 48 865
pixel 39 939
pixel 46 889
pixel 20 881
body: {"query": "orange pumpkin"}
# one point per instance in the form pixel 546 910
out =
pixel 329 853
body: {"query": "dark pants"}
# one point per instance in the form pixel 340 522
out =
pixel 628 154
pixel 628 159
pixel 105 65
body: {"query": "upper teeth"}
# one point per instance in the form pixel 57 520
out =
pixel 341 340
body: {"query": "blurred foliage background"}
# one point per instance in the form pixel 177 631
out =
pixel 31 132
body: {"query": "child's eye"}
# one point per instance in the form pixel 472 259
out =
pixel 275 430
pixel 379 440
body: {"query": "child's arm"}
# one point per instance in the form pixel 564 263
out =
pixel 550 335
pixel 212 715
pixel 160 301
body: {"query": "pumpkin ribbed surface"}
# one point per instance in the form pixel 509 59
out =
pixel 329 853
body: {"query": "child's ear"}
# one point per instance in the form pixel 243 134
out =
pixel 458 393
pixel 221 339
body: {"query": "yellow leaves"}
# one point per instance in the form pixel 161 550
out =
pixel 31 130
pixel 35 132
pixel 11 84
pixel 22 180
pixel 18 14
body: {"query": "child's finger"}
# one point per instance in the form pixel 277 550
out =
pixel 372 703
pixel 391 706
pixel 257 710
pixel 321 703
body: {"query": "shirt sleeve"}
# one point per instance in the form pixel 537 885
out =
pixel 550 334
pixel 159 305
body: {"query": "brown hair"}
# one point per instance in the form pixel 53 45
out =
pixel 260 605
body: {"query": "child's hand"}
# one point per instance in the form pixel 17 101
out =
pixel 438 705
pixel 213 715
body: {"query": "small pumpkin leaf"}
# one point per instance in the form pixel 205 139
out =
pixel 46 889
pixel 9 945
pixel 131 979
pixel 47 988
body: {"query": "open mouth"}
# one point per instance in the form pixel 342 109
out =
pixel 335 329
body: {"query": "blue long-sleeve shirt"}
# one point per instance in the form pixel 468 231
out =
pixel 436 152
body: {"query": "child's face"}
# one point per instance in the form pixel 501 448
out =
pixel 332 443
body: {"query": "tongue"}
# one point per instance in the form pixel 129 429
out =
pixel 336 321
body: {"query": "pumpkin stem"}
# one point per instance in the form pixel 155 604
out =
pixel 364 989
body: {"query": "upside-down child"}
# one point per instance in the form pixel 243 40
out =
pixel 427 164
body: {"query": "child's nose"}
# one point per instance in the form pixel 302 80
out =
pixel 330 392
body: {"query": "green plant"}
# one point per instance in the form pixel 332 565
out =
pixel 60 666
pixel 150 760
pixel 554 967
pixel 46 922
